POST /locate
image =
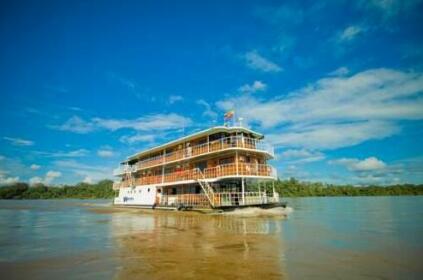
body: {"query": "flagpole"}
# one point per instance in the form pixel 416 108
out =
pixel 229 119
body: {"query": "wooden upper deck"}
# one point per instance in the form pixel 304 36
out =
pixel 202 144
pixel 195 137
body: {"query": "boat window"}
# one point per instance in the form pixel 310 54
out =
pixel 202 141
pixel 148 190
pixel 226 160
pixel 215 136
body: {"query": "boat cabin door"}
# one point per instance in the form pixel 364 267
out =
pixel 202 165
pixel 158 196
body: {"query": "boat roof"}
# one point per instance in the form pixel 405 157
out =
pixel 195 135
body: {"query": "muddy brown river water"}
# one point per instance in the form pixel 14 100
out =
pixel 317 238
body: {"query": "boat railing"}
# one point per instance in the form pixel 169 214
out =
pixel 223 170
pixel 204 148
pixel 124 169
pixel 241 169
pixel 193 200
pixel 221 199
pixel 243 199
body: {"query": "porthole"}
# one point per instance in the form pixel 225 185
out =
pixel 148 190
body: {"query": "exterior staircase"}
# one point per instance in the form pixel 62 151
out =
pixel 208 190
pixel 130 179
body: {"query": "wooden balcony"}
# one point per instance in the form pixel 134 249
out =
pixel 229 199
pixel 189 152
pixel 220 199
pixel 242 169
pixel 192 200
pixel 224 170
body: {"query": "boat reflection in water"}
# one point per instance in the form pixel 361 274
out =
pixel 175 245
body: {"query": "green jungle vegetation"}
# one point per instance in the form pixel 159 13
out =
pixel 295 188
pixel 286 188
pixel 102 189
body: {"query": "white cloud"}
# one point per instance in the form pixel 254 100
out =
pixel 62 154
pixel 255 61
pixel 132 86
pixel 208 112
pixel 19 141
pixel 149 122
pixel 88 180
pixel 409 170
pixel 254 87
pixel 35 166
pixel 353 164
pixel 138 138
pixel 14 166
pixel 75 153
pixel 94 172
pixel 350 33
pixel 301 155
pixel 72 164
pixel 336 112
pixel 292 171
pixel 7 180
pixel 77 125
pixel 372 170
pixel 333 136
pixel 389 9
pixel 50 176
pixel 35 180
pixel 370 163
pixel 175 98
pixel 105 153
pixel 341 71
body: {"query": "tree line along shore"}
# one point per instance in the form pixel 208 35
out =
pixel 286 188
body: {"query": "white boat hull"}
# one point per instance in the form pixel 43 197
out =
pixel 145 196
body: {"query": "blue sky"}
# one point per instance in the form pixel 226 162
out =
pixel 336 86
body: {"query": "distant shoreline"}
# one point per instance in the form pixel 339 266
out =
pixel 295 188
pixel 286 188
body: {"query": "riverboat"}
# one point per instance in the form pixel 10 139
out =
pixel 220 168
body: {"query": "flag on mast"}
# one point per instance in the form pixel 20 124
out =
pixel 229 115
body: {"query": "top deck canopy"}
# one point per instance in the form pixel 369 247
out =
pixel 193 136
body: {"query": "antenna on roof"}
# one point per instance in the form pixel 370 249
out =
pixel 240 119
pixel 183 129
